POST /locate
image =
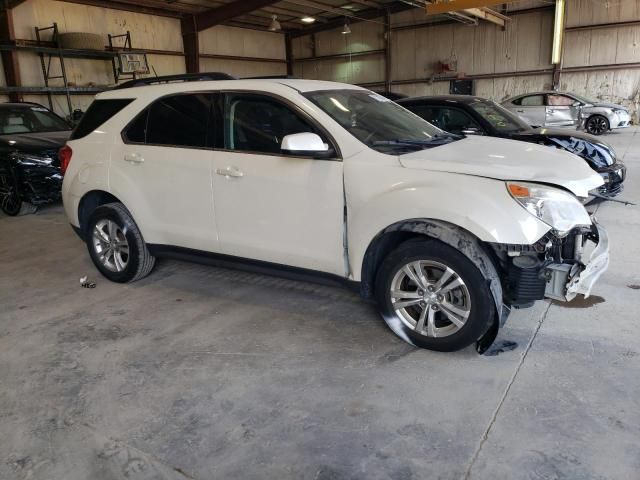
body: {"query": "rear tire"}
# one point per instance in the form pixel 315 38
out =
pixel 433 296
pixel 116 246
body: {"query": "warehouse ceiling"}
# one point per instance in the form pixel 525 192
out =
pixel 295 16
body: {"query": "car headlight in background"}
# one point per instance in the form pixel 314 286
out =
pixel 30 159
pixel 619 111
pixel 559 209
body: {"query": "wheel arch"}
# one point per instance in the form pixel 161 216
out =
pixel 89 202
pixel 457 237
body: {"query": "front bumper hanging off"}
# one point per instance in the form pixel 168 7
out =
pixel 566 280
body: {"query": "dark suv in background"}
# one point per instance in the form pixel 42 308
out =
pixel 469 115
pixel 30 137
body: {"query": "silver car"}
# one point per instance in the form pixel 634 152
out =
pixel 562 109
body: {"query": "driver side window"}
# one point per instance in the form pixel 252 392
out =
pixel 454 120
pixel 255 123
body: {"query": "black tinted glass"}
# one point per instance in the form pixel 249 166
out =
pixel 98 113
pixel 137 130
pixel 258 124
pixel 181 120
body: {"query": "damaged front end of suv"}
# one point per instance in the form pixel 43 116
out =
pixel 565 262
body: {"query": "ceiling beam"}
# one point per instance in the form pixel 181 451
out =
pixel 228 12
pixel 362 15
pixel 488 15
pixel 457 5
pixel 128 7
pixel 14 3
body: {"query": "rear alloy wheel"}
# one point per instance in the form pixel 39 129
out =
pixel 597 125
pixel 10 202
pixel 433 296
pixel 116 245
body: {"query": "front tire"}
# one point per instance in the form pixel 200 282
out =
pixel 597 125
pixel 116 246
pixel 433 296
pixel 10 201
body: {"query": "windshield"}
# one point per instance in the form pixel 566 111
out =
pixel 35 119
pixel 500 118
pixel 377 121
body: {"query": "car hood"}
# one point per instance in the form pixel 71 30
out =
pixel 609 105
pixel 597 153
pixel 507 160
pixel 34 142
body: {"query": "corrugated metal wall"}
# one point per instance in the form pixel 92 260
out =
pixel 147 32
pixel 522 48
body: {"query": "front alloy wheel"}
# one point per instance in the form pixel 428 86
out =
pixel 433 296
pixel 10 202
pixel 597 125
pixel 430 298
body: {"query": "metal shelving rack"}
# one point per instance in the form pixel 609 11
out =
pixel 51 54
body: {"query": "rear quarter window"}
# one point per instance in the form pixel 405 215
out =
pixel 97 114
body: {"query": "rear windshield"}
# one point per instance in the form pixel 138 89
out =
pixel 97 114
pixel 35 119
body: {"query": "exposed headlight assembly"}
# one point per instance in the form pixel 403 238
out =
pixel 559 209
pixel 30 159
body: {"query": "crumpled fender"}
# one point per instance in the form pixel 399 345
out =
pixel 471 248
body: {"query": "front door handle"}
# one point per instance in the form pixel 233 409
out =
pixel 520 111
pixel 133 158
pixel 230 172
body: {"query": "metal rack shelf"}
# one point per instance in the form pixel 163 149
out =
pixel 64 52
pixel 51 54
pixel 54 90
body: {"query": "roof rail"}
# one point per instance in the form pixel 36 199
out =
pixel 183 77
pixel 271 77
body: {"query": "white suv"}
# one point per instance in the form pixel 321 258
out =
pixel 319 178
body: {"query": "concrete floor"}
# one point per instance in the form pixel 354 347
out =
pixel 204 373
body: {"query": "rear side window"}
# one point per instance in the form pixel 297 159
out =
pixel 532 101
pixel 97 114
pixel 175 121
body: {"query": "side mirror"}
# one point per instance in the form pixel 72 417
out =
pixel 305 145
pixel 576 104
pixel 472 131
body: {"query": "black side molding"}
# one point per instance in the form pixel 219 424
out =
pixel 254 266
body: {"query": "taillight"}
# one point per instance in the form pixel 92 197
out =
pixel 64 155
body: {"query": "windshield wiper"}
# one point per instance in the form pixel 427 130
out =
pixel 434 141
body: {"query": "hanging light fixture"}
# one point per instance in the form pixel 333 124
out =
pixel 346 30
pixel 274 26
pixel 308 19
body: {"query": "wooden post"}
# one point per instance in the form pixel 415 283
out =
pixel 288 53
pixel 191 42
pixel 387 51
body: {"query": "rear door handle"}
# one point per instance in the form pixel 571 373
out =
pixel 520 111
pixel 133 158
pixel 230 172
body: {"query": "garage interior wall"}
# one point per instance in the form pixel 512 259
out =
pixel 148 32
pixel 599 62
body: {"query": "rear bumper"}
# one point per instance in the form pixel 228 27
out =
pixel 566 280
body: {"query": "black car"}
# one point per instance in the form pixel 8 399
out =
pixel 469 115
pixel 30 137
